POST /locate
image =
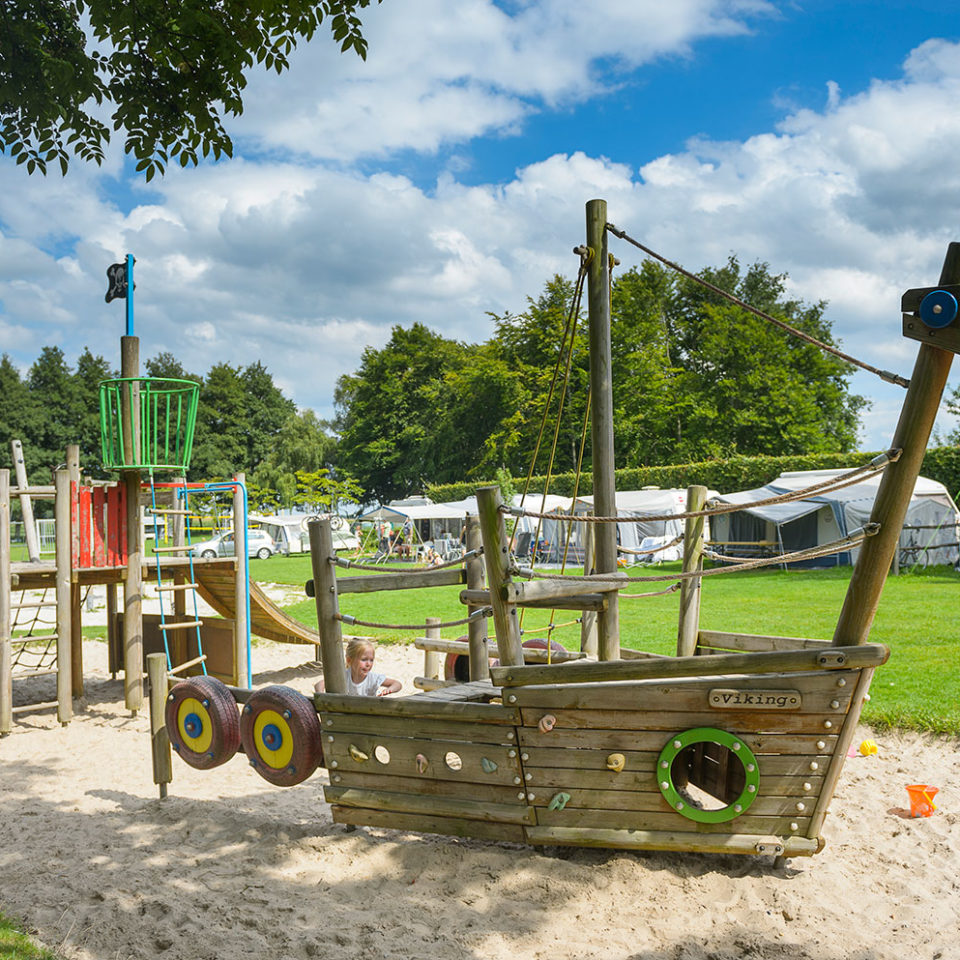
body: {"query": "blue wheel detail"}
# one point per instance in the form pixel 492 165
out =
pixel 193 725
pixel 272 737
pixel 938 309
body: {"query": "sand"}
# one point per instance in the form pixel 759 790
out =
pixel 232 868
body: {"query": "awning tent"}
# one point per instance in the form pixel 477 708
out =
pixel 430 521
pixel 636 533
pixel 929 536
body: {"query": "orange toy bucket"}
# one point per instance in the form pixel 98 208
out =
pixel 921 799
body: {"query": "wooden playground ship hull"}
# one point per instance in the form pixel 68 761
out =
pixel 617 763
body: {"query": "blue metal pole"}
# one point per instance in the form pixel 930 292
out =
pixel 129 294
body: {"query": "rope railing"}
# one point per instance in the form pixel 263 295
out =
pixel 673 588
pixel 835 546
pixel 630 552
pixel 379 568
pixel 354 622
pixel 877 464
pixel 793 331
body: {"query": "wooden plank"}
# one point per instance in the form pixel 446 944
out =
pixel 670 840
pixel 99 526
pixel 493 792
pixel 791 765
pixel 525 592
pixel 402 756
pixel 818 694
pixel 652 801
pixel 448 826
pixel 779 722
pixel 462 647
pixel 581 601
pixel 745 824
pixel 619 740
pixel 375 582
pixel 430 805
pixel 471 691
pixel 415 706
pixel 419 728
pixel 755 642
pixel 833 657
pixel 554 778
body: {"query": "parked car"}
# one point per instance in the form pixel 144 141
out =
pixel 259 544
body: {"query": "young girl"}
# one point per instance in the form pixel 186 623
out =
pixel 361 681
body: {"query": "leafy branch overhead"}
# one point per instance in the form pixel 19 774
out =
pixel 169 71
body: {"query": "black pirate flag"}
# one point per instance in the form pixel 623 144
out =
pixel 116 282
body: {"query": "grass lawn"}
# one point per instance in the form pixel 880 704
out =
pixel 16 945
pixel 918 618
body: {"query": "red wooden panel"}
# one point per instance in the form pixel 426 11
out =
pixel 74 524
pixel 82 530
pixel 121 495
pixel 99 526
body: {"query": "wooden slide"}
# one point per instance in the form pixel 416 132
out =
pixel 217 585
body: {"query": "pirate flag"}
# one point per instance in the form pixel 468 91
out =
pixel 116 282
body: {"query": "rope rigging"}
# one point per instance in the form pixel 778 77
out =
pixel 793 331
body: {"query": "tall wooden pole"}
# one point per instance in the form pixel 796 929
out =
pixel 159 738
pixel 328 606
pixel 689 625
pixel 899 479
pixel 496 558
pixel 76 594
pixel 601 386
pixel 26 504
pixel 61 512
pixel 588 619
pixel 6 651
pixel 133 585
pixel 476 629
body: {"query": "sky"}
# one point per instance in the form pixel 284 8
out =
pixel 445 178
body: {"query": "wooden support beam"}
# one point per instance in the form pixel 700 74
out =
pixel 159 739
pixel 477 628
pixel 496 556
pixel 26 506
pixel 328 606
pixel 397 581
pixel 133 585
pixel 580 601
pixel 690 588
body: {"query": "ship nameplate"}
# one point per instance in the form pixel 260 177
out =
pixel 722 698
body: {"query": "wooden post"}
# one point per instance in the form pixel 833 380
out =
pixel 133 585
pixel 61 511
pixel 241 581
pixel 159 738
pixel 6 651
pixel 113 662
pixel 431 659
pixel 496 556
pixel 601 425
pixel 919 411
pixel 588 619
pixel 476 629
pixel 689 625
pixel 26 504
pixel 328 606
pixel 76 594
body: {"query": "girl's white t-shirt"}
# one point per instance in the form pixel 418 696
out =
pixel 368 686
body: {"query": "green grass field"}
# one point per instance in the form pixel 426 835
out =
pixel 918 618
pixel 16 945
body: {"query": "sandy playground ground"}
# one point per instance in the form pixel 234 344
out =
pixel 229 867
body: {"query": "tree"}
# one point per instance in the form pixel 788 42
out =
pixel 388 411
pixel 170 71
pixel 90 371
pixel 20 415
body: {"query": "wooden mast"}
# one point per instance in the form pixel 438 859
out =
pixel 601 426
pixel 896 487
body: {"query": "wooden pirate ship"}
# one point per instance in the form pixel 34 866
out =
pixel 734 745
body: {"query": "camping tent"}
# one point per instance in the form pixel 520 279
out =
pixel 637 534
pixel 430 522
pixel 929 536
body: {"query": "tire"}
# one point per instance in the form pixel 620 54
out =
pixel 208 554
pixel 280 733
pixel 202 722
pixel 264 553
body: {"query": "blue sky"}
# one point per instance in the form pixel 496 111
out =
pixel 445 178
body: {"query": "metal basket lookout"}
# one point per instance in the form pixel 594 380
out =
pixel 157 433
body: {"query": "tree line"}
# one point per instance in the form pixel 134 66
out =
pixel 694 378
pixel 244 423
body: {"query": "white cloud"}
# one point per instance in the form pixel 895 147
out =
pixel 303 263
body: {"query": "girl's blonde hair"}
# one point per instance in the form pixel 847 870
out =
pixel 357 645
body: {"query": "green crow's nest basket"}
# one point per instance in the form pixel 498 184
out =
pixel 147 423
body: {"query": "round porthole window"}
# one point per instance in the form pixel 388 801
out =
pixel 708 775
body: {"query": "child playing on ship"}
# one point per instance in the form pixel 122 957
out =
pixel 361 680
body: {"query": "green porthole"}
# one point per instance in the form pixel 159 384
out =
pixel 708 775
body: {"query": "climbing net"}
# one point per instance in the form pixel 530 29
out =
pixel 34 648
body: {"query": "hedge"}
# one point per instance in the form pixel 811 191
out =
pixel 724 476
